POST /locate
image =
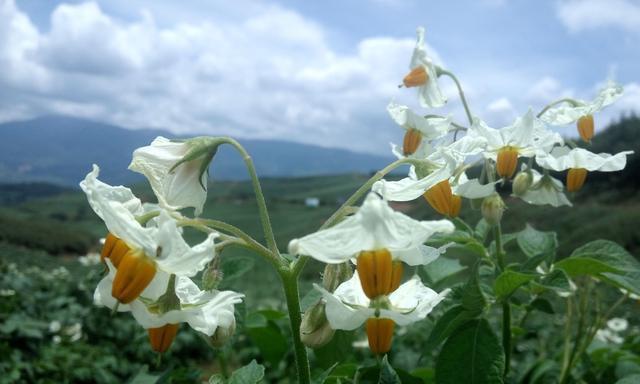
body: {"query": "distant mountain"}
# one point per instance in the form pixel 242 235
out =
pixel 61 149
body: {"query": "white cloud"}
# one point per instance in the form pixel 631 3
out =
pixel 580 15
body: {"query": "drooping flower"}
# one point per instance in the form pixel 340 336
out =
pixel 418 128
pixel 545 190
pixel 525 137
pixel 579 161
pixel 184 186
pixel 424 75
pixel 205 311
pixel 349 308
pixel 581 111
pixel 138 251
pixel 375 227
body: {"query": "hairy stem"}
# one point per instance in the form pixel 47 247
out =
pixel 290 285
pixel 506 306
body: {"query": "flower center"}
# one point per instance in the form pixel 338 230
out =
pixel 114 249
pixel 507 161
pixel 411 142
pixel 135 272
pixel 379 274
pixel 380 334
pixel 443 200
pixel 417 77
pixel 586 127
pixel 162 337
pixel 575 179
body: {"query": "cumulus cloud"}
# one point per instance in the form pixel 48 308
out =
pixel 579 15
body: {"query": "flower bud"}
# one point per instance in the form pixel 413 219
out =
pixel 336 274
pixel 212 275
pixel 315 330
pixel 492 209
pixel 417 77
pixel 222 335
pixel 522 182
pixel 586 127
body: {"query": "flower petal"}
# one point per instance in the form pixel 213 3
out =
pixel 568 113
pixel 545 192
pixel 412 301
pixel 562 158
pixel 431 128
pixel 347 308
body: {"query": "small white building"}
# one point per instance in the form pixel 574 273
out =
pixel 312 202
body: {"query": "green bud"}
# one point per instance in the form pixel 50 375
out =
pixel 336 274
pixel 522 182
pixel 212 275
pixel 315 330
pixel 221 335
pixel 492 209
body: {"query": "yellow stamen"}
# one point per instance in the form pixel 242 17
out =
pixel 109 243
pixel 456 204
pixel 586 127
pixel 417 77
pixel 411 142
pixel 507 162
pixel 380 334
pixel 575 179
pixel 162 337
pixel 379 275
pixel 135 272
pixel 439 197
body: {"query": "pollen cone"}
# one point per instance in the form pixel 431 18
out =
pixel 411 142
pixel 507 162
pixel 417 77
pixel 439 197
pixel 162 337
pixel 379 274
pixel 380 334
pixel 575 179
pixel 586 127
pixel 114 249
pixel 134 272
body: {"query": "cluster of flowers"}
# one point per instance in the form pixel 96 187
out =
pixel 149 263
pixel 379 240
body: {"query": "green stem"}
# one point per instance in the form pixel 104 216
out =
pixel 460 92
pixel 565 100
pixel 567 344
pixel 506 306
pixel 257 189
pixel 290 285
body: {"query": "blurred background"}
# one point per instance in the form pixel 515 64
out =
pixel 304 85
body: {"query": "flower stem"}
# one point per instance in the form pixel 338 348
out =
pixel 565 100
pixel 506 306
pixel 257 189
pixel 460 92
pixel 290 285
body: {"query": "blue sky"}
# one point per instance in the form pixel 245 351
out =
pixel 318 72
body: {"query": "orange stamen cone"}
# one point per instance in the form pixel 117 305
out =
pixel 135 272
pixel 380 334
pixel 586 127
pixel 417 77
pixel 575 179
pixel 439 197
pixel 411 142
pixel 507 162
pixel 379 275
pixel 456 204
pixel 162 337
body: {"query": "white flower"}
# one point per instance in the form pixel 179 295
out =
pixel 430 128
pixel 89 259
pixel 545 190
pixel 526 135
pixel 429 93
pixel 118 207
pixel 569 113
pixel 607 336
pixel 204 311
pixel 348 307
pixel 374 226
pixel 562 158
pixel 618 324
pixel 185 186
pixel 54 326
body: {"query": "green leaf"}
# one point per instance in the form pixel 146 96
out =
pixel 542 305
pixel 482 230
pixel 576 266
pixel 633 379
pixel 387 374
pixel 269 339
pixel 320 379
pixel 533 242
pixel 144 377
pixel 472 355
pixel 441 269
pixel 557 281
pixel 251 373
pixel 509 281
pixel 235 267
pixel 337 350
pixel 446 324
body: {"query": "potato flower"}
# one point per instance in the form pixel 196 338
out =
pixel 349 307
pixel 170 300
pixel 424 75
pixel 581 111
pixel 418 128
pixel 185 186
pixel 139 252
pixel 525 137
pixel 579 161
pixel 545 190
